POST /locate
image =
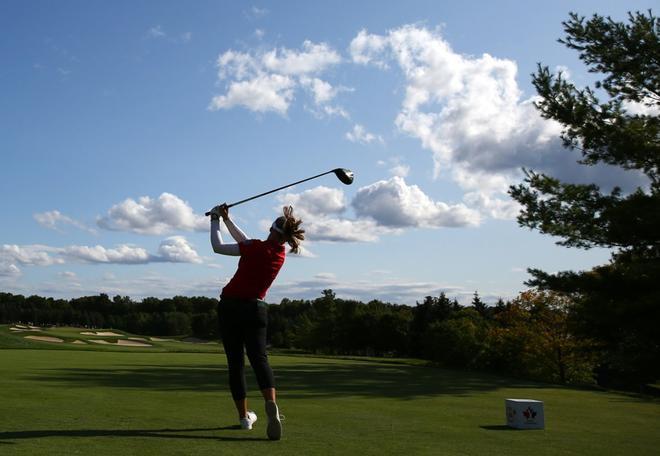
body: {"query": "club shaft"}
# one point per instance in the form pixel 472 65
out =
pixel 275 190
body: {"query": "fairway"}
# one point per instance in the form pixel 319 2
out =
pixel 137 403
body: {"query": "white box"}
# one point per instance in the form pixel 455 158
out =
pixel 524 414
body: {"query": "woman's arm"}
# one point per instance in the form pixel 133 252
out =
pixel 216 240
pixel 236 233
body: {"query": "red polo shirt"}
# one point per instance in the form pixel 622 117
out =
pixel 259 264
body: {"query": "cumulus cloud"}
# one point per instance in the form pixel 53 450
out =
pixel 267 80
pixel 393 203
pixel 122 254
pixel 319 200
pixel 54 219
pixel 165 214
pixel 384 207
pixel 263 93
pixel 366 49
pixel 175 249
pixel 323 212
pixel 471 114
pixel 29 255
pixel 360 135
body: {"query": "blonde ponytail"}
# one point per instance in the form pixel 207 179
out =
pixel 291 231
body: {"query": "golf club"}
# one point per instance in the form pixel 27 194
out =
pixel 343 174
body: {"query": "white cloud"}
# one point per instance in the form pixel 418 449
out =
pixel 385 207
pixel 319 200
pixel 186 37
pixel 158 216
pixel 322 209
pixel 368 49
pixel 266 80
pixel 177 249
pixel 29 255
pixel 122 254
pixel 322 90
pixel 470 113
pixel 313 59
pixel 360 135
pixel 497 208
pixel 156 32
pixel 261 94
pixel 52 220
pixel 9 270
pixel 259 34
pixel 394 204
pixel 650 108
pixel 400 170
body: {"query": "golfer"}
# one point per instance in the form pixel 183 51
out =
pixel 242 312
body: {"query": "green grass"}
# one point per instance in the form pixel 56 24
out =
pixel 131 402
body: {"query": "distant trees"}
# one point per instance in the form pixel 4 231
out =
pixel 152 316
pixel 615 123
pixel 531 336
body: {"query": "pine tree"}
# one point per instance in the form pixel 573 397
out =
pixel 617 303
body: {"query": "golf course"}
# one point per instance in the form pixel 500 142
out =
pixel 167 397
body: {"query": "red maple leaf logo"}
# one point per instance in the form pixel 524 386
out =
pixel 529 413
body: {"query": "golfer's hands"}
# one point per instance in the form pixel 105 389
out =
pixel 224 211
pixel 220 211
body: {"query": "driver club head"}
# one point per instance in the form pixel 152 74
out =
pixel 344 175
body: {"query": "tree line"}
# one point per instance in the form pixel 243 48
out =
pixel 529 336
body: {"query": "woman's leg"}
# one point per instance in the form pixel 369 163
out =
pixel 232 340
pixel 255 345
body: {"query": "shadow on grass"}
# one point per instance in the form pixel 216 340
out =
pixel 497 427
pixel 150 433
pixel 312 379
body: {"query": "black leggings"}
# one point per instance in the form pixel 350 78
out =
pixel 243 324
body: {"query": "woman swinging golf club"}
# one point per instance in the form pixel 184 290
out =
pixel 242 311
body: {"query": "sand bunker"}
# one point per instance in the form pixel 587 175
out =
pixel 122 342
pixel 45 338
pixel 21 326
pixel 138 338
pixel 101 333
pixel 24 329
pixel 132 343
pixel 158 339
pixel 79 342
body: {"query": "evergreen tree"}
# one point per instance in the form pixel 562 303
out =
pixel 617 303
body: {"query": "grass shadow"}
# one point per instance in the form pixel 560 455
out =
pixel 150 433
pixel 498 427
pixel 312 379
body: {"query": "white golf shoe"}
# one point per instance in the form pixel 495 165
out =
pixel 249 420
pixel 274 428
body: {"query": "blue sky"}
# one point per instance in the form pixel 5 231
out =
pixel 123 122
